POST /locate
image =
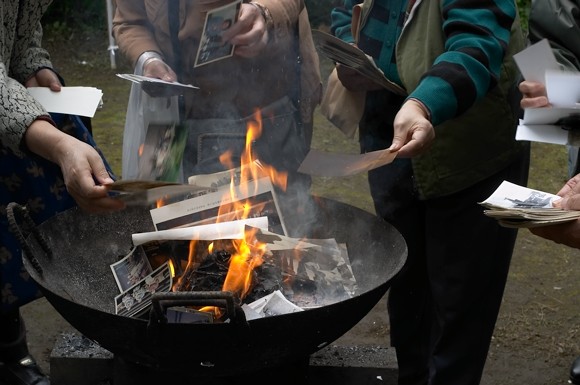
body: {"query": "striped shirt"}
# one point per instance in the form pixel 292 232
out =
pixel 477 33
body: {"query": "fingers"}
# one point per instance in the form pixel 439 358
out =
pixel 249 34
pixel 538 102
pixel 413 132
pixel 81 168
pixel 157 68
pixel 533 95
pixel 44 78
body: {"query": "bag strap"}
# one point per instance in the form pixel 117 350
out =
pixel 173 18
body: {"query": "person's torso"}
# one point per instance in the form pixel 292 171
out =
pixel 232 86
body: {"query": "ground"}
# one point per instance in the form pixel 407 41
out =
pixel 538 330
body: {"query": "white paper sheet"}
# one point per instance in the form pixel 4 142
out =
pixel 329 164
pixel 214 231
pixel 535 60
pixel 542 133
pixel 82 101
pixel 563 88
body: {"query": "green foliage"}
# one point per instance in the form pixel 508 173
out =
pixel 65 15
pixel 524 8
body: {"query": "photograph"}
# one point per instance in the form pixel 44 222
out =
pixel 212 47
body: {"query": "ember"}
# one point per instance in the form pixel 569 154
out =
pixel 211 276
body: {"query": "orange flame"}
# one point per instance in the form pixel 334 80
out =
pixel 249 252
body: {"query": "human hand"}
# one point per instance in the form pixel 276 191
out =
pixel 84 172
pixel 158 69
pixel 570 194
pixel 354 81
pixel 81 166
pixel 533 95
pixel 564 233
pixel 44 78
pixel 249 33
pixel 413 132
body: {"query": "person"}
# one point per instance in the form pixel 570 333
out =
pixel 30 147
pixel 568 234
pixel 274 69
pixel 555 20
pixel 454 133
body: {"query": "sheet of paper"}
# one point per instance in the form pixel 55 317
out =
pixel 213 231
pixel 82 101
pixel 510 195
pixel 544 133
pixel 351 56
pixel 548 115
pixel 254 198
pixel 145 192
pixel 319 163
pixel 143 79
pixel 563 88
pixel 535 60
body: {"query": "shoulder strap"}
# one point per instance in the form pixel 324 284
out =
pixel 173 18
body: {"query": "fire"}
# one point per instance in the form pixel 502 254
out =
pixel 249 253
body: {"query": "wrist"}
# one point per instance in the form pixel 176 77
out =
pixel 266 15
pixel 145 58
pixel 422 107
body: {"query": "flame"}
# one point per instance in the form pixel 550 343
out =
pixel 240 278
pixel 251 170
pixel 249 253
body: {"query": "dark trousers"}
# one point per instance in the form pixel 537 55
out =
pixel 444 303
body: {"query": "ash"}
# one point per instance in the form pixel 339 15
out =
pixel 74 345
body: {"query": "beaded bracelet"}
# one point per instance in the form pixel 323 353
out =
pixel 265 14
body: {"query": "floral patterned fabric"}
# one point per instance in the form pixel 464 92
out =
pixel 24 177
pixel 38 184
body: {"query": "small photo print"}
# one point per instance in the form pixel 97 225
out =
pixel 211 46
pixel 131 269
pixel 161 155
pixel 137 299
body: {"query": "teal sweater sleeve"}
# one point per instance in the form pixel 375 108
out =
pixel 341 21
pixel 476 34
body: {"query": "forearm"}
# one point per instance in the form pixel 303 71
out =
pixel 47 141
pixel 341 21
pixel 132 30
pixel 31 57
pixel 475 48
pixel 285 14
pixel 17 111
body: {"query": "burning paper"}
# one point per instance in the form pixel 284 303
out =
pixel 270 305
pixel 214 231
pixel 256 198
pixel 306 272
